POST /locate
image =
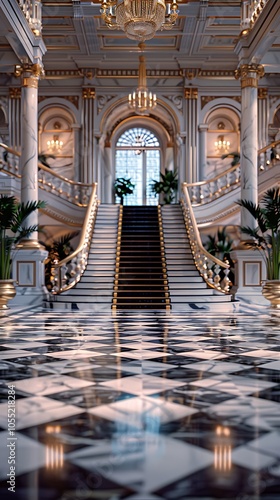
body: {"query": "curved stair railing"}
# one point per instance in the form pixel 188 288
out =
pixel 203 192
pixel 77 193
pixel 209 266
pixel 68 272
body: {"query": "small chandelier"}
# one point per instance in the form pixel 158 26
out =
pixel 221 144
pixel 142 100
pixel 55 145
pixel 139 19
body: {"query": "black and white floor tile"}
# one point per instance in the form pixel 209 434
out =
pixel 142 405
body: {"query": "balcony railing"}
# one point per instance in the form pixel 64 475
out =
pixel 203 192
pixel 250 11
pixel 32 10
pixel 77 193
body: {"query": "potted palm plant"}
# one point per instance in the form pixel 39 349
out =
pixel 168 185
pixel 266 239
pixel 12 229
pixel 123 187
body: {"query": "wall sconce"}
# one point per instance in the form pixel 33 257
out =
pixel 55 145
pixel 221 144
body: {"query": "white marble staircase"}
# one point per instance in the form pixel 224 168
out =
pixel 94 290
pixel 187 288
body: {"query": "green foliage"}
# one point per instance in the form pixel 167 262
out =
pixel 43 158
pixel 266 236
pixel 58 249
pixel 12 228
pixel 168 185
pixel 235 158
pixel 219 244
pixel 123 187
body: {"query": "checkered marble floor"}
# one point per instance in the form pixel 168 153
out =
pixel 141 405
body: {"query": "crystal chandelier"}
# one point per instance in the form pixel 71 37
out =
pixel 139 19
pixel 142 100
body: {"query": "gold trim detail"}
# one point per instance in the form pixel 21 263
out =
pixel 249 82
pixel 15 92
pixel 30 82
pixel 262 93
pixel 190 93
pixel 88 93
pixel 245 69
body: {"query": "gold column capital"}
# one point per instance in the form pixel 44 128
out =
pixel 249 74
pixel 190 93
pixel 15 92
pixel 30 73
pixel 88 93
pixel 262 93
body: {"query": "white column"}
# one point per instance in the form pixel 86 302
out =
pixel 28 257
pixel 202 153
pixel 88 130
pixel 191 95
pixel 249 75
pixel 77 155
pixel 29 138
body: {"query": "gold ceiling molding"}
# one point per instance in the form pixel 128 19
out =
pixel 61 74
pixel 133 73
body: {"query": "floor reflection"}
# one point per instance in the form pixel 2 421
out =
pixel 142 406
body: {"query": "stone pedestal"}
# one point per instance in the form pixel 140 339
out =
pixel 250 271
pixel 28 272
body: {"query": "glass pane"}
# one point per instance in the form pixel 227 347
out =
pixel 129 166
pixel 141 166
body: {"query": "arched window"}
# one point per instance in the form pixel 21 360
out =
pixel 138 158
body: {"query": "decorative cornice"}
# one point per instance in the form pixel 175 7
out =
pixel 133 73
pixel 218 73
pixel 190 93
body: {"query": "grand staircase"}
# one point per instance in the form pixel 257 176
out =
pixel 140 258
pixel 94 290
pixel 187 288
pixel 141 281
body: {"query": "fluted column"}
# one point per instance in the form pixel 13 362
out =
pixel 262 117
pixel 191 95
pixel 15 118
pixel 88 138
pixel 76 136
pixel 29 137
pixel 249 75
pixel 202 153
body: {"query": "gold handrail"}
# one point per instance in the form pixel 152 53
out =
pixel 79 256
pixel 205 265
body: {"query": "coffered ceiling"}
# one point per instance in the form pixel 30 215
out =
pixel 206 38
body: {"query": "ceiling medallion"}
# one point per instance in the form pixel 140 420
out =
pixel 139 19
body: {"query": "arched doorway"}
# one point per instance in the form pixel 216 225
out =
pixel 137 157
